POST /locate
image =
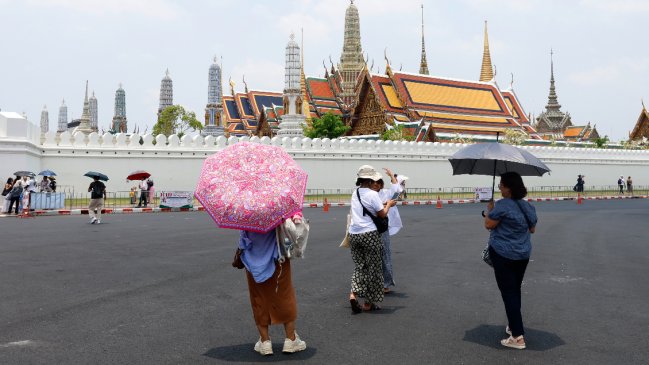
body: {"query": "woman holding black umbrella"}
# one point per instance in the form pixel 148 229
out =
pixel 511 221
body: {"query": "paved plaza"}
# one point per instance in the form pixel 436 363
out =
pixel 159 289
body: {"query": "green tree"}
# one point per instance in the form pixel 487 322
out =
pixel 601 142
pixel 515 136
pixel 396 134
pixel 329 126
pixel 176 120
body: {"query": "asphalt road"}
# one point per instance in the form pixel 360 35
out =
pixel 159 289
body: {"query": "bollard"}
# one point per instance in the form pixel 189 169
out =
pixel 326 205
pixel 439 203
pixel 578 198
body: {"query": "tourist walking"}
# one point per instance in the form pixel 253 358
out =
pixel 629 185
pixel 97 191
pixel 394 225
pixel 620 184
pixel 511 221
pixel 270 286
pixel 144 193
pixel 6 197
pixel 365 240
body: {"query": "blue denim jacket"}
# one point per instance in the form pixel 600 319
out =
pixel 511 237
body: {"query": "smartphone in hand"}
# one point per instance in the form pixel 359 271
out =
pixel 395 196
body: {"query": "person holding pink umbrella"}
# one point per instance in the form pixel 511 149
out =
pixel 254 188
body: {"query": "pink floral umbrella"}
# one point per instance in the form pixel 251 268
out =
pixel 251 186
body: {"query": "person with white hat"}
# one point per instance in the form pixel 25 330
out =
pixel 368 215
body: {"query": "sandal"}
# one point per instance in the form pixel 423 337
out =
pixel 515 343
pixel 371 307
pixel 356 308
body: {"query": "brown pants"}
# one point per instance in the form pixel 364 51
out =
pixel 273 301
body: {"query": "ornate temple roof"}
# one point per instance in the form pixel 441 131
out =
pixel 641 128
pixel 242 111
pixel 447 105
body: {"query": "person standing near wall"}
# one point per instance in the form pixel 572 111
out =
pixel 97 191
pixel 144 193
pixel 7 197
pixel 629 185
pixel 620 184
pixel 149 184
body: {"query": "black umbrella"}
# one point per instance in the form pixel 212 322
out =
pixel 496 159
pixel 24 173
pixel 98 175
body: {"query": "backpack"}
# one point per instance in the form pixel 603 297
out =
pixel 620 182
pixel 16 191
pixel 292 237
pixel 97 189
pixel 53 185
pixel 149 183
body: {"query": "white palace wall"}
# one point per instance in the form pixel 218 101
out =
pixel 175 163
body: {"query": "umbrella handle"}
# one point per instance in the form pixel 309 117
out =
pixel 493 181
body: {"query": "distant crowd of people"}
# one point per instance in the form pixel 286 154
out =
pixel 17 191
pixel 622 184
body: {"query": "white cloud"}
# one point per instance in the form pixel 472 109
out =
pixel 149 8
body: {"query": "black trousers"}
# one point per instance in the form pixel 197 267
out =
pixel 11 204
pixel 509 276
pixel 144 197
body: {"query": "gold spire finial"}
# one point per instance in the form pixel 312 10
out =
pixel 305 102
pixel 423 65
pixel 486 73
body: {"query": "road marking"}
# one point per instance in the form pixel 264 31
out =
pixel 17 344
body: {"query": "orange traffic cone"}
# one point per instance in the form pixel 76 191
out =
pixel 439 203
pixel 326 205
pixel 578 198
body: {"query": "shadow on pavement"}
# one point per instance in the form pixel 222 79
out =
pixel 490 336
pixel 245 353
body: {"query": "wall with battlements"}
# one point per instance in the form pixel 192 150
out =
pixel 176 162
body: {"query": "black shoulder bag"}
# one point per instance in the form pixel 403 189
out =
pixel 381 223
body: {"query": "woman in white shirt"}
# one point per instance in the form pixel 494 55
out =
pixel 365 241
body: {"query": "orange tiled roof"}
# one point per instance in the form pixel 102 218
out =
pixel 319 89
pixel 573 131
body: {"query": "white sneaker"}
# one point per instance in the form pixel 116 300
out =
pixel 294 345
pixel 93 220
pixel 98 221
pixel 265 348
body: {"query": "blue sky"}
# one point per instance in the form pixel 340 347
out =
pixel 50 47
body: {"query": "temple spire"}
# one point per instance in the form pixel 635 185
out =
pixel 305 104
pixel 84 124
pixel 486 73
pixel 351 59
pixel 553 102
pixel 423 65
